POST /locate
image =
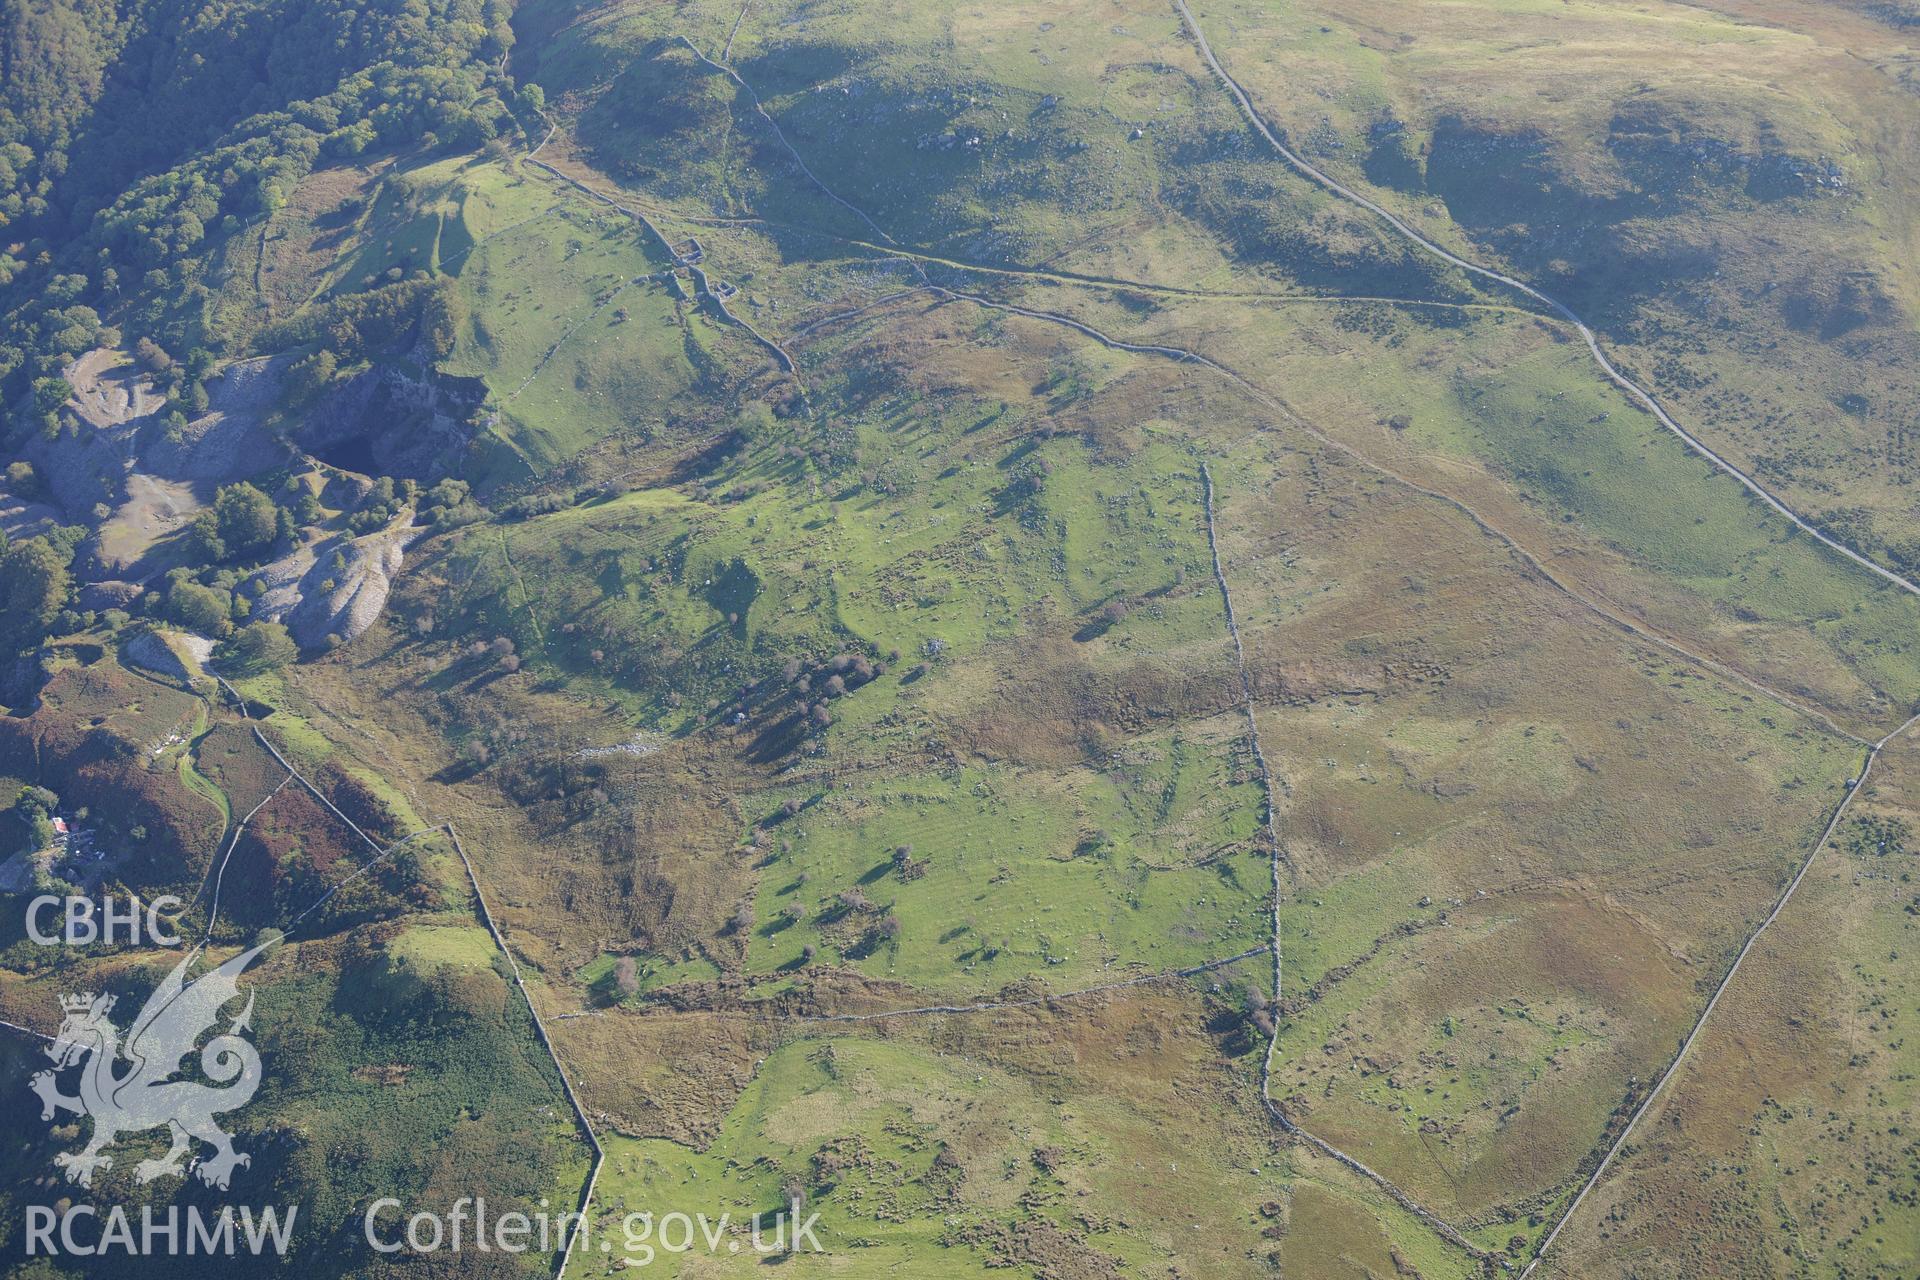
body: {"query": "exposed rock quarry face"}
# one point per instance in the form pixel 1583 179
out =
pixel 120 404
pixel 386 421
pixel 227 442
pixel 123 458
pixel 152 482
pixel 336 587
pixel 21 518
pixel 109 390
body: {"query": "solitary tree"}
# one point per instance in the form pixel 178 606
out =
pixel 152 357
pixel 22 480
pixel 247 519
pixel 260 646
pixel 201 609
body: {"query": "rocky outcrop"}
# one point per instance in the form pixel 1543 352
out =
pixel 1663 150
pixel 174 655
pixel 329 592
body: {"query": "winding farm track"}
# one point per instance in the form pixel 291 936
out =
pixel 727 70
pixel 1251 389
pixel 917 261
pixel 1532 562
pixel 739 18
pixel 1647 401
pixel 1637 393
pixel 1077 279
pixel 1634 390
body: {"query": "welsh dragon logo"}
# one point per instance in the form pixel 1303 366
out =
pixel 131 1087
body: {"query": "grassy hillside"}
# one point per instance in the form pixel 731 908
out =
pixel 1009 664
pixel 1724 192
